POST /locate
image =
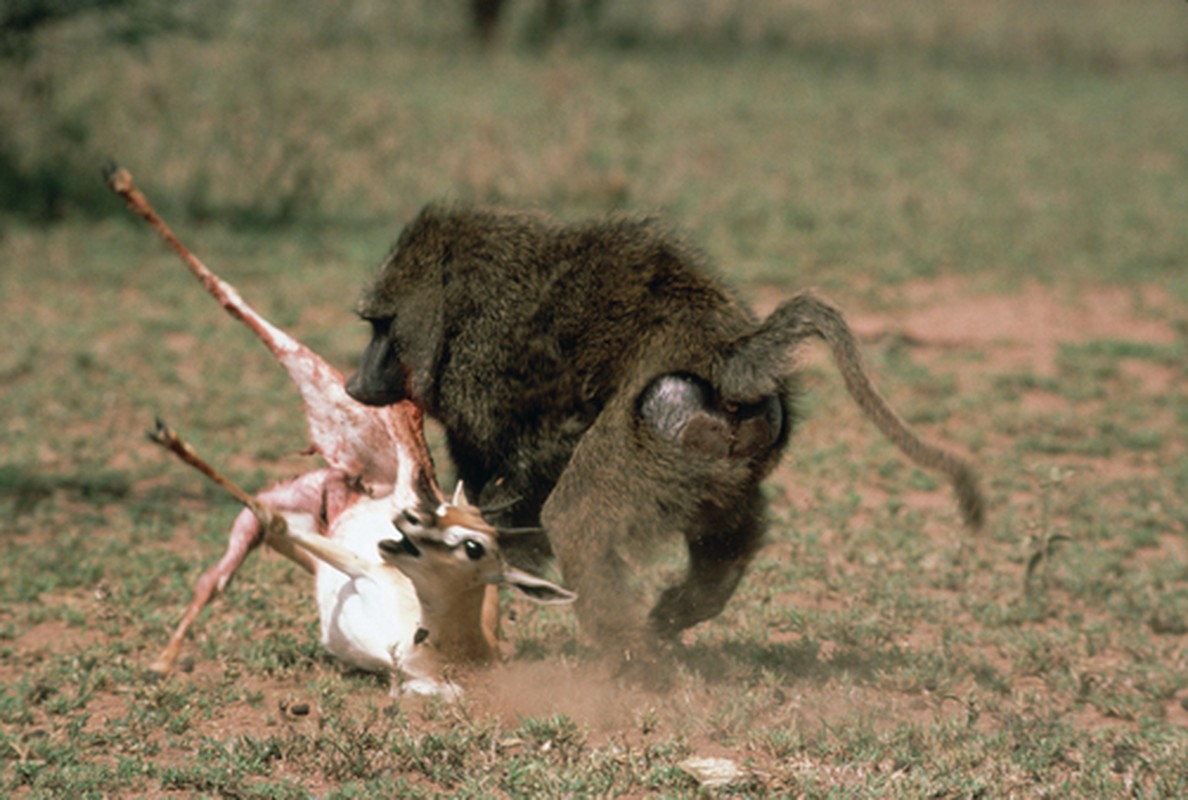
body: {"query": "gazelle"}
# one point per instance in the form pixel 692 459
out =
pixel 403 590
pixel 379 475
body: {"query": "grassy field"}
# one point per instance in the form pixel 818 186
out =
pixel 997 193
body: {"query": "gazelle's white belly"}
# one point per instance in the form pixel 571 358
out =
pixel 369 622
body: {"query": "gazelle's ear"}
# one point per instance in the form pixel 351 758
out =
pixel 459 495
pixel 536 589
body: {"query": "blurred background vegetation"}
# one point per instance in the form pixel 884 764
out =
pixel 793 136
pixel 846 145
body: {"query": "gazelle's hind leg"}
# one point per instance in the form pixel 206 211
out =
pixel 301 496
pixel 246 535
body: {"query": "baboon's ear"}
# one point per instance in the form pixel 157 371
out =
pixel 537 589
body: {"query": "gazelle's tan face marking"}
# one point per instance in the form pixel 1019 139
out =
pixel 451 516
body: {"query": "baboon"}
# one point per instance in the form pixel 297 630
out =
pixel 601 380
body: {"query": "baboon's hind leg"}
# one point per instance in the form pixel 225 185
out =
pixel 719 553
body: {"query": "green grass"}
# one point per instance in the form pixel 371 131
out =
pixel 875 649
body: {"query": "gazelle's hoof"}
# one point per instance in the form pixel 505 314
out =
pixel 428 687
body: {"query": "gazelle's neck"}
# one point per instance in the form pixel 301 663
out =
pixel 456 626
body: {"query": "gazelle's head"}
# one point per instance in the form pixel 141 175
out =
pixel 450 549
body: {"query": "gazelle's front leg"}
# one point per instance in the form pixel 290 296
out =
pixel 308 543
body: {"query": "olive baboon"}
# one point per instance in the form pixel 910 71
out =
pixel 600 376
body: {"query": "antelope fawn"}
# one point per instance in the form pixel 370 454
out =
pixel 407 567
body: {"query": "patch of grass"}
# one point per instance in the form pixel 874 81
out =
pixel 24 490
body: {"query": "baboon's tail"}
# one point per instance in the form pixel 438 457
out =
pixel 764 353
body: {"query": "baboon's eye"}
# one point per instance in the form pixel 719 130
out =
pixel 474 550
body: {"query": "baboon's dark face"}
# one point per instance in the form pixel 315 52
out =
pixel 382 378
pixel 404 309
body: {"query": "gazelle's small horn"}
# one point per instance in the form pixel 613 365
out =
pixel 459 495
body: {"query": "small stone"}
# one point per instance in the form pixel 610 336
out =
pixel 712 772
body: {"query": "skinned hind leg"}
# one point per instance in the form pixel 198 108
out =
pixel 246 535
pixel 303 495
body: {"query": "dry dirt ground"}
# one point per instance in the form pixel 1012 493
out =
pixel 1013 332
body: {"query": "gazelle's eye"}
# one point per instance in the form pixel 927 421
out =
pixel 474 550
pixel 411 517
